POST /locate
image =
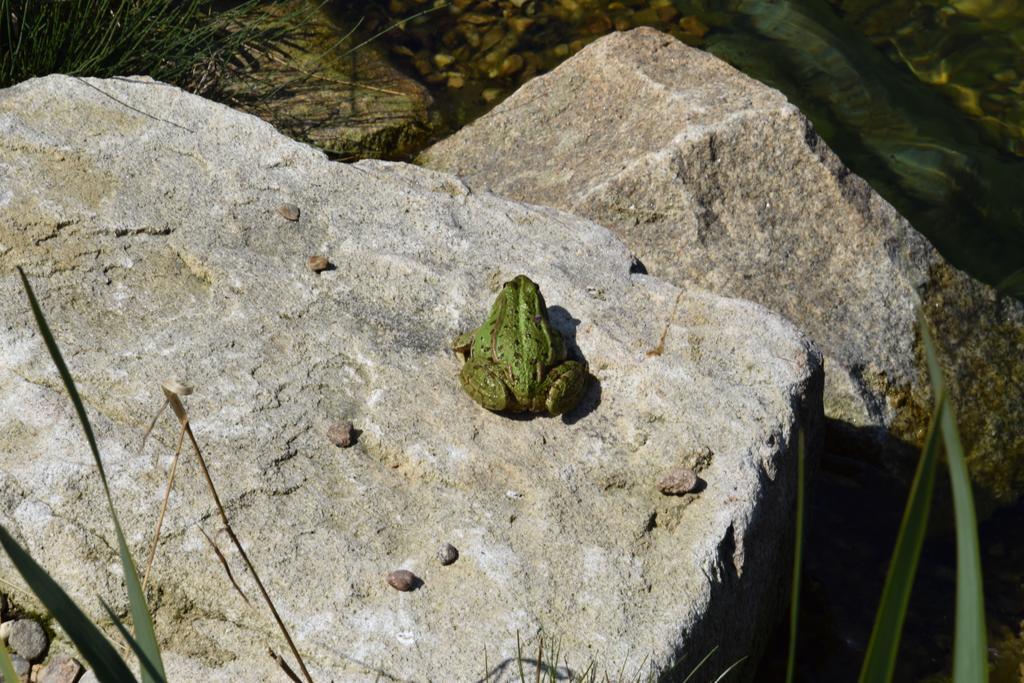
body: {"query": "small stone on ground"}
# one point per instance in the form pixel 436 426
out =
pixel 28 639
pixel 447 554
pixel 61 669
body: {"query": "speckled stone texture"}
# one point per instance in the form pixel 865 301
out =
pixel 715 180
pixel 147 220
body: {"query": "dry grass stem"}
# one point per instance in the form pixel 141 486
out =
pixel 224 563
pixel 163 506
pixel 284 665
pixel 172 390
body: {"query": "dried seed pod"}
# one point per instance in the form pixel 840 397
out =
pixel 447 554
pixel 678 481
pixel 290 212
pixel 402 580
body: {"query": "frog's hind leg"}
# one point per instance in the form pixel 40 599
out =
pixel 563 387
pixel 484 383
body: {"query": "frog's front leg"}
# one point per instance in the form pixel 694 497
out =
pixel 484 382
pixel 463 343
pixel 563 388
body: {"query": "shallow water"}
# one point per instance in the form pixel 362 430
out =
pixel 923 99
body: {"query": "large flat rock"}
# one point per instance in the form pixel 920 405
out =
pixel 148 221
pixel 714 179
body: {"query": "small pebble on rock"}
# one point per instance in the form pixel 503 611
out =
pixel 318 263
pixel 403 580
pixel 447 554
pixel 61 669
pixel 678 481
pixel 290 212
pixel 22 667
pixel 340 434
pixel 28 639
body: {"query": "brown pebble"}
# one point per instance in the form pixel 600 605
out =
pixel 290 212
pixel 678 481
pixel 61 669
pixel 318 263
pixel 340 434
pixel 402 580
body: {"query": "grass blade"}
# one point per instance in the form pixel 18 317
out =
pixel 731 667
pixel 519 658
pixel 143 622
pixel 880 659
pixel 700 664
pixel 6 665
pixel 90 641
pixel 132 643
pixel 798 554
pixel 970 653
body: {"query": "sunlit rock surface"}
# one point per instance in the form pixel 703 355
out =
pixel 148 220
pixel 716 180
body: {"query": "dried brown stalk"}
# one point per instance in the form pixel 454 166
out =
pixel 173 391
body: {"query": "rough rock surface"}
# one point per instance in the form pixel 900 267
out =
pixel 152 237
pixel 61 668
pixel 714 179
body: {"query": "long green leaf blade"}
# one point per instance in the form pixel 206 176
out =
pixel 132 643
pixel 90 641
pixel 6 665
pixel 880 659
pixel 144 631
pixel 970 652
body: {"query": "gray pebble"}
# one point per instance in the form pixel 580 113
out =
pixel 61 669
pixel 447 554
pixel 28 639
pixel 21 667
pixel 88 677
pixel 5 630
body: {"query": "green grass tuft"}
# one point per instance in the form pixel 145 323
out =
pixel 184 42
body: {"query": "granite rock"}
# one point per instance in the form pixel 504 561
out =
pixel 715 180
pixel 146 219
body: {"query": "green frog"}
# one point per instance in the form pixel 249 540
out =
pixel 515 361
